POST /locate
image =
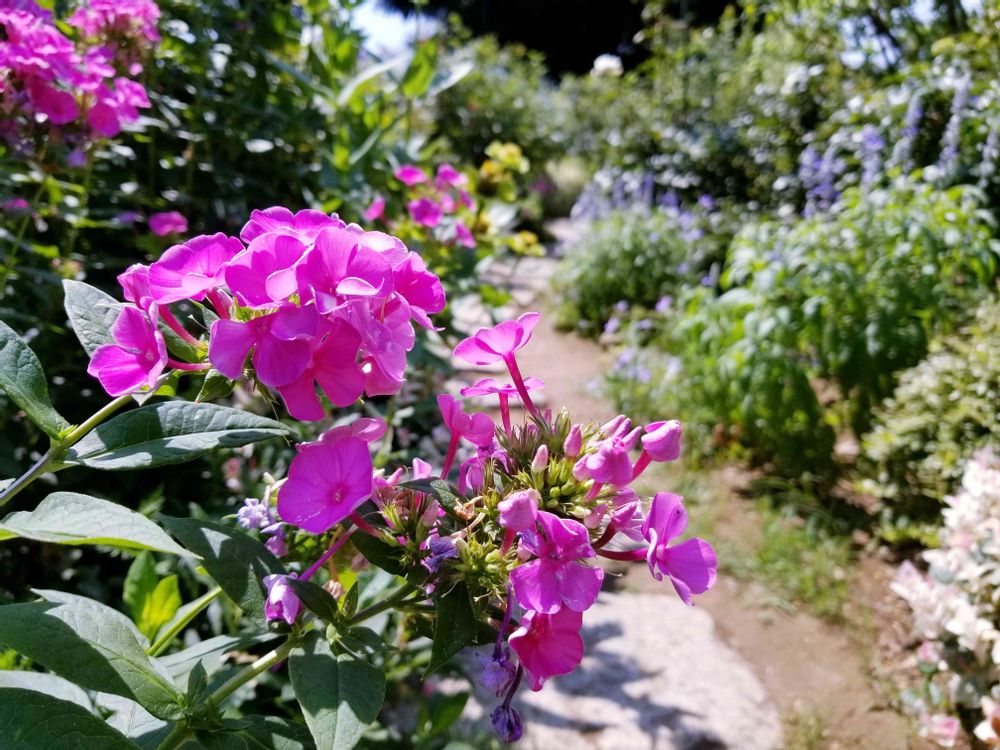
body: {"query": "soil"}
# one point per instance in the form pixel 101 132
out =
pixel 809 667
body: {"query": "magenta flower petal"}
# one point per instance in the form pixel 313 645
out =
pixel 229 346
pixel 579 585
pixel 326 483
pixel 425 212
pixel 191 270
pixel 536 586
pixel 136 358
pixel 410 175
pixel 662 440
pixel 376 210
pixel 301 400
pixel 548 644
pixel 167 222
pixel 691 565
pixel 667 518
pixel 489 345
pixel 248 274
pixel 278 362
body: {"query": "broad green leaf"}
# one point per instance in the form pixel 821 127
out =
pixel 208 653
pixel 340 695
pixel 91 313
pixel 132 720
pixel 257 733
pixel 454 626
pixel 318 600
pixel 35 721
pixel 418 76
pixel 169 432
pixel 235 560
pixel 159 606
pixel 23 379
pixel 50 684
pixel 446 494
pixel 379 553
pixel 140 581
pixel 91 645
pixel 72 518
pixel 216 385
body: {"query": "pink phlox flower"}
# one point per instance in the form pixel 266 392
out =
pixel 282 603
pixel 447 202
pixel 334 366
pixel 385 340
pixel 167 222
pixel 519 510
pixel 557 577
pixel 691 565
pixel 489 386
pixel 410 175
pixel 477 428
pixel 489 345
pixel 627 514
pixel 421 289
pixel 281 344
pixel 466 200
pixel 448 176
pixel 304 225
pixel 471 475
pixel 134 282
pixel 58 106
pixel 425 211
pixel 137 358
pixel 264 275
pixel 574 441
pixel 464 236
pixel 389 247
pixel 367 428
pixel 339 267
pixel 441 548
pixel 548 644
pixel 610 463
pixel 326 484
pixel 191 270
pixel 376 210
pixel 662 440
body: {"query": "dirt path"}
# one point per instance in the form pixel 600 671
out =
pixel 808 667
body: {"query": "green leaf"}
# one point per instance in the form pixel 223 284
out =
pixel 235 560
pixel 169 432
pixel 91 313
pixel 454 626
pixel 208 653
pixel 216 385
pixel 91 645
pixel 72 518
pixel 50 684
pixel 317 599
pixel 257 733
pixel 446 494
pixel 132 720
pixel 420 72
pixel 159 606
pixel 379 553
pixel 340 695
pixel 140 581
pixel 35 721
pixel 22 377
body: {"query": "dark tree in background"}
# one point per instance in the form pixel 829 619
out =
pixel 571 33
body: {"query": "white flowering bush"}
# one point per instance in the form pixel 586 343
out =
pixel 956 608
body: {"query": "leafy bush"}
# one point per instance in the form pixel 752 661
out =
pixel 638 256
pixel 942 411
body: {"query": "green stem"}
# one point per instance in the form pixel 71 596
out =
pixel 180 732
pixel 195 609
pixel 382 606
pixel 74 436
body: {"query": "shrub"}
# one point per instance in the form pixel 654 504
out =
pixel 942 411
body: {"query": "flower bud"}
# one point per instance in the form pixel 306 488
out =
pixel 662 440
pixel 282 603
pixel 574 442
pixel 541 459
pixel 519 510
pixel 498 672
pixel 506 723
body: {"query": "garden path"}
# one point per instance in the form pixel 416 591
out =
pixel 660 675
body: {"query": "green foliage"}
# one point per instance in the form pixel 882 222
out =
pixel 22 378
pixel 942 411
pixel 35 721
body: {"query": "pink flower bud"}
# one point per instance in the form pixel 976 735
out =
pixel 662 440
pixel 519 510
pixel 541 459
pixel 574 441
pixel 282 603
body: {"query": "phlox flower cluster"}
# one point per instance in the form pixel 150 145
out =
pixel 68 90
pixel 955 607
pixel 438 204
pixel 535 506
pixel 306 298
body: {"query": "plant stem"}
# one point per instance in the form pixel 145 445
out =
pixel 196 607
pixel 382 606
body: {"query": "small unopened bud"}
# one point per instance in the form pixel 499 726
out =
pixel 506 723
pixel 662 440
pixel 574 442
pixel 519 510
pixel 541 459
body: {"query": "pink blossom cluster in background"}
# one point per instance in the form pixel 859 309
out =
pixel 539 502
pixel 72 91
pixel 439 204
pixel 309 299
pixel 954 610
